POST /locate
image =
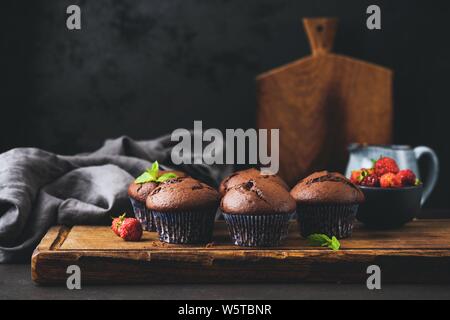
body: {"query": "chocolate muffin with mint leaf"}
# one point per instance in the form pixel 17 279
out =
pixel 140 188
pixel 257 213
pixel 327 203
pixel 184 210
pixel 242 176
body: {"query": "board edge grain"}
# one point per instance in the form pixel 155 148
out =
pixel 217 266
pixel 52 240
pixel 240 265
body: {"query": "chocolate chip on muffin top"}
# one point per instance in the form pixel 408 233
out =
pixel 182 194
pixel 245 175
pixel 257 196
pixel 327 187
pixel 140 191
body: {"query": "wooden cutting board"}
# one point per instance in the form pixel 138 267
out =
pixel 417 253
pixel 322 103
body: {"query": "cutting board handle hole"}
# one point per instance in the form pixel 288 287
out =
pixel 319 28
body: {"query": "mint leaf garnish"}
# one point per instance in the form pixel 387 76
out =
pixel 335 244
pixel 144 178
pixel 417 182
pixel 166 176
pixel 318 239
pixel 154 170
pixel 152 175
pixel 322 240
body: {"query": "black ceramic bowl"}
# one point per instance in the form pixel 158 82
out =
pixel 387 208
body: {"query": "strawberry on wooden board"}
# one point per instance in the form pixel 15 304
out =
pixel 130 230
pixel 116 223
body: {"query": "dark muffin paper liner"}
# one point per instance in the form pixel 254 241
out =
pixel 185 227
pixel 332 220
pixel 144 216
pixel 258 230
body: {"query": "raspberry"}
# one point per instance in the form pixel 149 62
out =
pixel 405 178
pixel 385 165
pixel 130 230
pixel 370 181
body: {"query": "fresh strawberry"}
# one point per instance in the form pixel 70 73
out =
pixel 405 178
pixel 385 165
pixel 116 223
pixel 130 230
pixel 387 180
pixel 370 180
pixel 356 176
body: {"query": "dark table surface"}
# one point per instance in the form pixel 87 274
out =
pixel 15 283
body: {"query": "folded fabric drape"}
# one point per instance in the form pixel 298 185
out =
pixel 39 189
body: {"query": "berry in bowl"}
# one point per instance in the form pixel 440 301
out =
pixel 392 195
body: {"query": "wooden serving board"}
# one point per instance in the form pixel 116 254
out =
pixel 417 253
pixel 323 102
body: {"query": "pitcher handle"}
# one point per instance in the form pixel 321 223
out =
pixel 433 171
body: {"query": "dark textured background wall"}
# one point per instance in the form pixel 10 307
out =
pixel 145 67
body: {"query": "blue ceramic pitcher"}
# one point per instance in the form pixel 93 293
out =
pixel 361 156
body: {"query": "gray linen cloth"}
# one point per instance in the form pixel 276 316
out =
pixel 39 189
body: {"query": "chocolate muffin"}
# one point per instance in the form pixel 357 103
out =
pixel 184 210
pixel 138 192
pixel 243 176
pixel 257 212
pixel 327 203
